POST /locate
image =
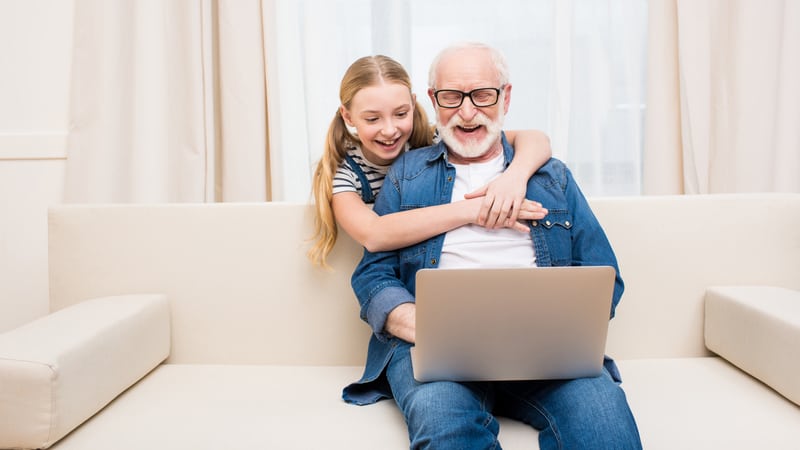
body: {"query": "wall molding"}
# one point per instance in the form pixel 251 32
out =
pixel 33 145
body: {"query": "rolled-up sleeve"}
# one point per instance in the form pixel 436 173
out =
pixel 381 305
pixel 375 280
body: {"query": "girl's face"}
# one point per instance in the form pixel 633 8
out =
pixel 383 115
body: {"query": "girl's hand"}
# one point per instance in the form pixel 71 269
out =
pixel 528 210
pixel 503 201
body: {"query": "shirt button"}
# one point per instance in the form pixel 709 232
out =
pixel 450 179
pixel 566 223
pixel 433 261
pixel 547 222
pixel 534 223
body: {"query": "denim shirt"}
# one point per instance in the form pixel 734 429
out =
pixel 569 235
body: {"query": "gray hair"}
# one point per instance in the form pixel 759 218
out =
pixel 498 59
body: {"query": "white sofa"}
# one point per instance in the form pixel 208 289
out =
pixel 203 326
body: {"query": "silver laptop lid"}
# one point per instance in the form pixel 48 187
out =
pixel 511 323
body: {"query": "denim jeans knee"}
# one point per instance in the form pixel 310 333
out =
pixel 585 413
pixel 442 415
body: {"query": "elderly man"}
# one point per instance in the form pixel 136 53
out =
pixel 471 92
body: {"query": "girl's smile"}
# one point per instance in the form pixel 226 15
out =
pixel 383 117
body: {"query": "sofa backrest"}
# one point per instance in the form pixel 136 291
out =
pixel 240 287
pixel 242 291
pixel 671 248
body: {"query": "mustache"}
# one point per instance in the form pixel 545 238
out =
pixel 457 121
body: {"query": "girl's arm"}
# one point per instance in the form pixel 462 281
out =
pixel 503 197
pixel 401 229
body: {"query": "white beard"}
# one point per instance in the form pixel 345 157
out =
pixel 472 148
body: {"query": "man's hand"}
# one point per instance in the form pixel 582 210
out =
pixel 402 322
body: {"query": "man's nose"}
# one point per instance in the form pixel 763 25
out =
pixel 467 110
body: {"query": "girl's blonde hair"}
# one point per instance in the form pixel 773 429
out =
pixel 364 72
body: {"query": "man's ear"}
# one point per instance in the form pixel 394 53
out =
pixel 507 98
pixel 432 97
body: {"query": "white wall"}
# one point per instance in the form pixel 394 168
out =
pixel 35 44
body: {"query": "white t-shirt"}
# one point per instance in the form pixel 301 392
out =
pixel 474 245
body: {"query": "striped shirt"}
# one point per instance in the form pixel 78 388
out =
pixel 346 179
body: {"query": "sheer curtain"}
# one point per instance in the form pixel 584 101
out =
pixel 229 100
pixel 577 66
pixel 167 102
pixel 724 104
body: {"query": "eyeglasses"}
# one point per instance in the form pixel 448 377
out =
pixel 481 97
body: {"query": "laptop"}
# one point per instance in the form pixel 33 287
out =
pixel 493 324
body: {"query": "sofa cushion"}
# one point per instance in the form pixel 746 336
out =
pixel 59 370
pixel 680 403
pixel 757 328
pixel 199 407
pixel 706 403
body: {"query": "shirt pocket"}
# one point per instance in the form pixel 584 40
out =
pixel 413 255
pixel 557 231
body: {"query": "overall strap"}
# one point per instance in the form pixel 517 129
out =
pixel 366 190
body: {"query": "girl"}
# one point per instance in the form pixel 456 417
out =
pixel 378 119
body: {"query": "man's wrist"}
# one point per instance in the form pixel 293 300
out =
pixel 401 322
pixel 382 304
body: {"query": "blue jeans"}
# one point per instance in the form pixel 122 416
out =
pixel 585 413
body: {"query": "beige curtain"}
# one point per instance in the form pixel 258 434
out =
pixel 723 106
pixel 168 102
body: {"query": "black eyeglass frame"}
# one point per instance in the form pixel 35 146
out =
pixel 468 94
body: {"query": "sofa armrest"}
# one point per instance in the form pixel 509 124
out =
pixel 59 370
pixel 757 328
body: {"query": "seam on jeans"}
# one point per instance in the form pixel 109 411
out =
pixel 543 412
pixel 490 417
pixel 551 424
